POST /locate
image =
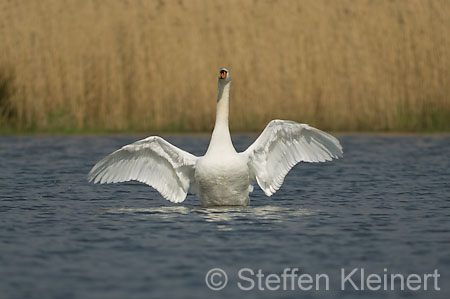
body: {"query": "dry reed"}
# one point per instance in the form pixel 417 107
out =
pixel 152 65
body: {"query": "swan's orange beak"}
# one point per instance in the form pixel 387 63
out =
pixel 223 75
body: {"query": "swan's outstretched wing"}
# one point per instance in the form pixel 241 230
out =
pixel 152 161
pixel 283 144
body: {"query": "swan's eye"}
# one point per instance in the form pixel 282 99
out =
pixel 223 74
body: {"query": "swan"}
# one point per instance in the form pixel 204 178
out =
pixel 222 177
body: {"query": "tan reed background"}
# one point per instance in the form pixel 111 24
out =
pixel 117 65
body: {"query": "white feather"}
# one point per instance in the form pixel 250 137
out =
pixel 152 161
pixel 282 145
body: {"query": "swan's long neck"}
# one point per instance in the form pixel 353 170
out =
pixel 221 139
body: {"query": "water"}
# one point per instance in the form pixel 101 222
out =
pixel 384 206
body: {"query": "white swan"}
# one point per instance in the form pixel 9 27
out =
pixel 222 176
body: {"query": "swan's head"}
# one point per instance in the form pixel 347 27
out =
pixel 224 76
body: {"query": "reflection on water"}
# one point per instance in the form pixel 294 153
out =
pixel 164 212
pixel 220 215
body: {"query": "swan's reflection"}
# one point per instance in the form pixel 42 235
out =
pixel 166 212
pixel 224 217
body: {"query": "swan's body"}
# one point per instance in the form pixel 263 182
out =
pixel 222 176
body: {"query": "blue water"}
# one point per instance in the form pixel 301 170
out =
pixel 385 205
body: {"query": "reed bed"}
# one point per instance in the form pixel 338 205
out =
pixel 92 65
